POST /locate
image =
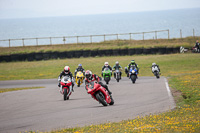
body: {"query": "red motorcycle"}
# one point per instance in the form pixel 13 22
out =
pixel 66 84
pixel 100 94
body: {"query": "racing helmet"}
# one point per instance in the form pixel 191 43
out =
pixel 117 63
pixel 153 64
pixel 66 69
pixel 79 65
pixel 106 64
pixel 88 74
pixel 132 61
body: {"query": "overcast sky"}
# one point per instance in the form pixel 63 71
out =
pixel 46 8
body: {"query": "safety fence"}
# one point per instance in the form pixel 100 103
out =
pixel 84 39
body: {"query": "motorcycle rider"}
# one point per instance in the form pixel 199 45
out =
pixel 155 65
pixel 106 65
pixel 197 45
pixel 80 68
pixel 117 67
pixel 66 72
pixel 93 77
pixel 129 66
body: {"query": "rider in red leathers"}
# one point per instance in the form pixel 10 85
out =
pixel 93 77
pixel 66 72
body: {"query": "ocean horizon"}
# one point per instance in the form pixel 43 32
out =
pixel 175 20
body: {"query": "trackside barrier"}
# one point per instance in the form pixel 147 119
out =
pixel 86 53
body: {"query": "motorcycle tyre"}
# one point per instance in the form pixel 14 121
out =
pixel 107 79
pixel 79 83
pixel 101 99
pixel 157 75
pixel 112 101
pixel 65 95
pixel 117 78
pixel 133 78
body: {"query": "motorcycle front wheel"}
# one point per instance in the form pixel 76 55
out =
pixel 100 97
pixel 112 100
pixel 65 94
pixel 133 78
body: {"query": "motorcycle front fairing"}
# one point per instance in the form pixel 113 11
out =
pixel 93 88
pixel 66 83
pixel 133 71
pixel 155 69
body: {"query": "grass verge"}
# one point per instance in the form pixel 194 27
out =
pixel 2 90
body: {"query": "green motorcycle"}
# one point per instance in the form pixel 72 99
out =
pixel 107 75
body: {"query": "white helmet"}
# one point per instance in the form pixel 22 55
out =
pixel 106 64
pixel 66 69
pixel 88 74
pixel 153 64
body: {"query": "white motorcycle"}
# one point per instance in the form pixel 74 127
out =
pixel 156 71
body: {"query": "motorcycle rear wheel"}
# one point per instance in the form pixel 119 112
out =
pixel 100 97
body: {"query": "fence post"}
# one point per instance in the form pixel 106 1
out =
pixel 91 38
pixel 193 33
pixel 130 36
pixel 181 33
pixel 168 33
pixel 143 35
pixel 37 41
pixel 104 37
pixel 64 40
pixel 9 43
pixel 117 37
pixel 156 35
pixel 50 41
pixel 23 42
pixel 77 39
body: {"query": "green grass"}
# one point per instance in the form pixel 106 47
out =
pixel 188 42
pixel 52 68
pixel 2 90
pixel 184 76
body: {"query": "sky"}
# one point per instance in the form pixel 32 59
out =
pixel 48 8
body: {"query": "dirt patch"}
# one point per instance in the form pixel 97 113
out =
pixel 176 94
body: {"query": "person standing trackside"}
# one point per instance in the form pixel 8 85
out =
pixel 197 46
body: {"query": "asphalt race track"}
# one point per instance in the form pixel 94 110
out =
pixel 44 109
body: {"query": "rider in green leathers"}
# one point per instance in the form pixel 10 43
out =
pixel 129 66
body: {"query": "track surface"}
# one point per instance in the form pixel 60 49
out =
pixel 44 109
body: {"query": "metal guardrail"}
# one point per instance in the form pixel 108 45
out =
pixel 65 38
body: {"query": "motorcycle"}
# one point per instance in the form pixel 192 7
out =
pixel 79 78
pixel 66 87
pixel 156 72
pixel 107 75
pixel 100 94
pixel 117 75
pixel 133 74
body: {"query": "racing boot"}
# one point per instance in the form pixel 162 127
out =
pixel 59 84
pixel 108 89
pixel 73 87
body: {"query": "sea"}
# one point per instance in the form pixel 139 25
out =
pixel 65 29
